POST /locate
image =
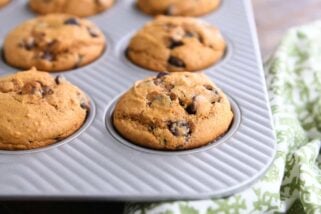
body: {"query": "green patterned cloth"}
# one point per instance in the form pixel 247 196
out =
pixel 293 183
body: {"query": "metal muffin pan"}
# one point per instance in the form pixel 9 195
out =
pixel 94 164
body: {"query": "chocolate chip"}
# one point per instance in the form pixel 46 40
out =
pixel 31 88
pixel 29 43
pixel 46 91
pixel 79 61
pixel 174 44
pixel 71 21
pixel 176 62
pixel 98 2
pixel 209 87
pixel 151 127
pixel 158 80
pixel 169 10
pixel 92 32
pixel 52 43
pixel 191 108
pixel 152 96
pixel 59 138
pixel 162 74
pixel 216 100
pixel 59 79
pixel 36 88
pixel 179 128
pixel 181 103
pixel 47 56
pixel 190 34
pixel 173 96
pixel 169 87
pixel 85 105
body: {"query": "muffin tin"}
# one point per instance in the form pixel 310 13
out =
pixel 97 163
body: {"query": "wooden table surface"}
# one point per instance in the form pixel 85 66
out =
pixel 274 17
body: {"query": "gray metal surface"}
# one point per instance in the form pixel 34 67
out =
pixel 94 164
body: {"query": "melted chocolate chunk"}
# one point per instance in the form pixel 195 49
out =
pixel 47 56
pixel 46 90
pixel 151 127
pixel 191 108
pixel 157 81
pixel 29 44
pixel 98 2
pixel 175 44
pixel 30 88
pixel 176 62
pixel 71 21
pixel 173 96
pixel 162 74
pixel 169 87
pixel 79 61
pixel 84 105
pixel 169 10
pixel 209 87
pixel 52 43
pixel 190 34
pixel 93 33
pixel 151 97
pixel 36 88
pixel 59 79
pixel 179 128
pixel 182 103
pixel 159 78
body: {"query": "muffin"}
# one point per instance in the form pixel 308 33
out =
pixel 176 44
pixel 177 7
pixel 173 111
pixel 79 8
pixel 38 110
pixel 54 42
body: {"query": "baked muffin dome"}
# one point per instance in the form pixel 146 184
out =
pixel 173 111
pixel 38 110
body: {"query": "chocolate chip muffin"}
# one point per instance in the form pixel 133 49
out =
pixel 38 110
pixel 53 42
pixel 4 2
pixel 79 8
pixel 173 111
pixel 176 44
pixel 177 7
